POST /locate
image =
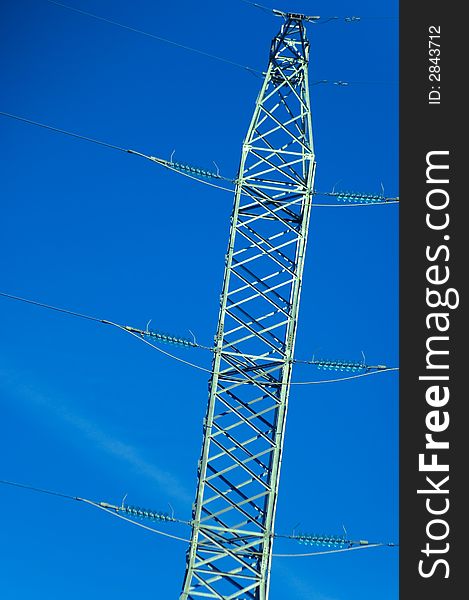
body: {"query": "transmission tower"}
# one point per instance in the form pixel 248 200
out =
pixel 238 474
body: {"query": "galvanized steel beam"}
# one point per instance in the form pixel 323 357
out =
pixel 238 476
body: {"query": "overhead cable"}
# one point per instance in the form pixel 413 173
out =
pixel 124 510
pixel 191 171
pixel 142 334
pixel 63 131
pixel 156 37
pixel 315 20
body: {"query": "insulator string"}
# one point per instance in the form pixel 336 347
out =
pixel 196 173
pixel 142 334
pixel 152 515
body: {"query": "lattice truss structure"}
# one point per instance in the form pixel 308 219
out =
pixel 238 475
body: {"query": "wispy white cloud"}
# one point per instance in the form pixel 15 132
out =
pixel 301 588
pixel 102 440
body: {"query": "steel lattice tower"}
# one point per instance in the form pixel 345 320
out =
pixel 238 475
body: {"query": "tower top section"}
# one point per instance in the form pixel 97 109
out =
pixel 294 16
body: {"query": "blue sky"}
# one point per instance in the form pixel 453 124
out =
pixel 90 411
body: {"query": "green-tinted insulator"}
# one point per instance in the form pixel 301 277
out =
pixel 142 513
pixel 358 198
pixel 169 339
pixel 322 540
pixel 339 365
pixel 194 170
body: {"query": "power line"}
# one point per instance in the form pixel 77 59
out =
pixel 162 337
pixel 321 381
pixel 257 5
pixel 140 334
pixel 136 523
pixel 334 551
pixel 382 17
pixel 64 132
pixel 341 83
pixel 379 369
pixel 251 70
pixel 177 358
pixel 168 164
pixel 275 431
pixel 208 54
pixel 55 308
pixel 263 383
pixel 315 20
pixel 157 37
pixel 189 171
pixel 133 330
pixel 109 508
pixel 115 511
pixel 37 489
pixel 330 540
